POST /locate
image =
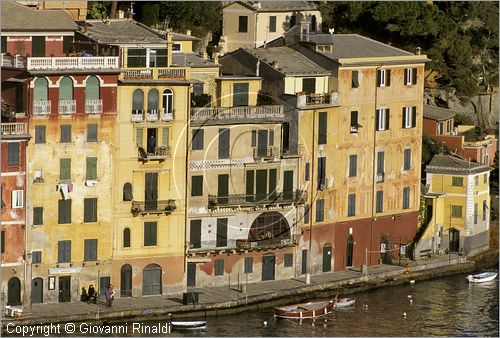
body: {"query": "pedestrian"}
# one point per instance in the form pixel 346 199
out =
pixel 91 294
pixel 84 297
pixel 110 295
pixel 151 144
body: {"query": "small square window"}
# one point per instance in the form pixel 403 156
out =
pixel 66 133
pixel 219 267
pixel 92 133
pixel 248 265
pixel 288 260
pixel 36 257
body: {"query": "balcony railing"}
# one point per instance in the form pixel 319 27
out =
pixel 153 207
pixel 93 106
pixel 17 128
pixel 67 107
pixel 151 115
pixel 242 244
pixel 176 73
pixel 158 153
pixel 13 61
pixel 379 177
pixel 83 63
pixel 306 100
pixel 242 200
pixel 263 153
pixel 42 107
pixel 243 112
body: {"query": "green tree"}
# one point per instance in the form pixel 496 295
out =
pixel 97 10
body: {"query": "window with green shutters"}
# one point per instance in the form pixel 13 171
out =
pixel 37 215
pixel 306 213
pixel 40 134
pixel 36 257
pixel 456 211
pixel 380 162
pixel 272 24
pixel 197 185
pixel 138 137
pixel 195 234
pixel 91 168
pixel 90 210
pixel 221 232
pixel 250 185
pixel 321 173
pixel 223 188
pixel 92 88
pixel 219 267
pixel 353 165
pixel 322 127
pixel 92 133
pixel 64 212
pixel 457 181
pixel 126 238
pixel 288 260
pixel 90 250
pixel 351 205
pixel 355 79
pixel 64 251
pixel 307 172
pixel 164 137
pixel 67 44
pixel 320 210
pixel 65 169
pixel 248 265
pixel 150 232
pixel 406 197
pixel 66 88
pixel 197 140
pixel 224 137
pixel 407 159
pixel 40 93
pixel 379 201
pixel 240 94
pixel 13 153
pixel 65 133
pixel 38 46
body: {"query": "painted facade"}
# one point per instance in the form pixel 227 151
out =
pixel 457 207
pixel 251 25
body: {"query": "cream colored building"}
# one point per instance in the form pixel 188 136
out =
pixel 253 24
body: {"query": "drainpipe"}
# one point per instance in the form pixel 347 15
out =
pixel 309 258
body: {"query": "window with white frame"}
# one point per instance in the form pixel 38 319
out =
pixel 410 76
pixel 382 119
pixel 409 117
pixel 383 78
pixel 17 199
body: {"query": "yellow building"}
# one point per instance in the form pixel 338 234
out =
pixel 457 207
pixel 253 24
pixel 243 190
pixel 76 9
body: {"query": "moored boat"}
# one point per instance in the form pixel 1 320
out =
pixel 304 310
pixel 344 302
pixel 482 277
pixel 189 325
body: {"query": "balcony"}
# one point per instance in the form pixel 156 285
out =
pixel 250 113
pixel 266 153
pixel 16 129
pixel 158 154
pixel 176 73
pixel 73 63
pixel 306 101
pixel 42 107
pixel 93 107
pixel 354 129
pixel 67 107
pixel 242 200
pixel 152 207
pixel 151 115
pixel 12 61
pixel 241 245
pixel 379 177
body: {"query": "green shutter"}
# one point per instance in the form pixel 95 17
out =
pixel 92 88
pixel 240 94
pixel 164 137
pixel 250 185
pixel 41 89
pixel 272 183
pixel 4 44
pixel 67 44
pixel 195 233
pixel 66 88
pixel 91 168
pixel 221 232
pixel 323 128
pixel 38 46
pixel 138 137
pixel 65 169
pixel 261 184
pixel 13 153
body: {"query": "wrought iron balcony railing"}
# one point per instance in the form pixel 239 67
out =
pixel 241 245
pixel 176 73
pixel 151 115
pixel 263 153
pixel 67 107
pixel 42 107
pixel 159 153
pixel 93 106
pixel 153 207
pixel 242 200
pixel 328 99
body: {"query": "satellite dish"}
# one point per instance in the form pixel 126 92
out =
pixel 331 30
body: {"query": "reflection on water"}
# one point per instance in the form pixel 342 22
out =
pixel 442 307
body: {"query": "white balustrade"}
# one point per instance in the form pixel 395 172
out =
pixel 243 112
pixel 60 63
pixel 17 128
pixel 67 107
pixel 93 106
pixel 41 107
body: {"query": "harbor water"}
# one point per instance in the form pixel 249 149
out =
pixel 442 307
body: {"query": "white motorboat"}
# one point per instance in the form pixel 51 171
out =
pixel 482 277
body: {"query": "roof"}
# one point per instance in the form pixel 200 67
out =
pixel 437 113
pixel 347 46
pixel 191 60
pixel 288 61
pixel 447 164
pixel 121 31
pixel 278 6
pixel 16 17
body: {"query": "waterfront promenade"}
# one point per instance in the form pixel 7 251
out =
pixel 221 300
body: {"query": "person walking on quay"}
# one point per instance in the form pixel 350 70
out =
pixel 110 295
pixel 91 295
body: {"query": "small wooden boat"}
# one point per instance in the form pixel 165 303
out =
pixel 304 310
pixel 482 277
pixel 189 325
pixel 344 302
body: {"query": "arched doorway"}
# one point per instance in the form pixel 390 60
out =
pixel 269 228
pixel 349 251
pixel 454 240
pixel 151 280
pixel 37 290
pixel 126 281
pixel 14 291
pixel 327 258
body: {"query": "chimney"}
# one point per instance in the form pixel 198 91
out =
pixel 205 55
pixel 257 68
pixel 121 14
pixel 419 50
pixel 188 32
pixel 258 4
pixel 274 64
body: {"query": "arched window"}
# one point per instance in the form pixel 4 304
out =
pixel 126 281
pixel 168 101
pixel 41 89
pixel 92 88
pixel 127 192
pixel 138 101
pixel 153 98
pixel 126 238
pixel 66 88
pixel 151 280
